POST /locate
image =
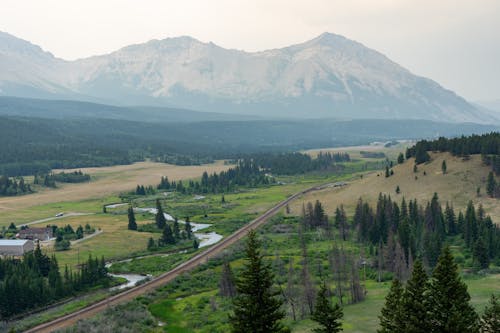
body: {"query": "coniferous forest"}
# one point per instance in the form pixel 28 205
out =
pixel 37 281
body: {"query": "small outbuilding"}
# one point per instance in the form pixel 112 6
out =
pixel 42 234
pixel 16 247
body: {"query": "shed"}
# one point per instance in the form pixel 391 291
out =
pixel 15 247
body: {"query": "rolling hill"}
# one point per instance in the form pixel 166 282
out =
pixel 457 186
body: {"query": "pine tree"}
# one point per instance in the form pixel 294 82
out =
pixel 443 167
pixel 391 319
pixel 256 309
pixel 160 216
pixel 151 243
pixel 414 312
pixel 490 321
pixel 168 236
pixel 188 229
pixel 481 257
pixel 447 301
pixel 401 158
pixel 177 230
pixel 325 314
pixel 132 225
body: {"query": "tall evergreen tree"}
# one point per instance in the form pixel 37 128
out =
pixel 168 236
pixel 481 257
pixel 490 321
pixel 188 229
pixel 176 229
pixel 414 312
pixel 447 301
pixel 391 319
pixel 256 309
pixel 132 224
pixel 160 216
pixel 328 316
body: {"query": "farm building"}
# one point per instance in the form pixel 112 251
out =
pixel 15 247
pixel 42 234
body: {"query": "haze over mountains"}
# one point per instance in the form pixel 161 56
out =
pixel 327 77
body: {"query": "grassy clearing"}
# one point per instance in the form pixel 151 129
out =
pixel 115 241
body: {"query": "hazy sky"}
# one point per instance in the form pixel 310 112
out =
pixel 455 42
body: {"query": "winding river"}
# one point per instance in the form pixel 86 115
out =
pixel 205 238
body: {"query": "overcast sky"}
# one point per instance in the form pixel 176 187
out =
pixel 455 42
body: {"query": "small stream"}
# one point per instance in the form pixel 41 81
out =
pixel 205 238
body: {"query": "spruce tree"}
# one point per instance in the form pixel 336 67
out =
pixel 160 216
pixel 414 312
pixel 132 225
pixel 325 314
pixel 481 257
pixel 490 321
pixel 256 309
pixel 188 229
pixel 177 230
pixel 447 301
pixel 401 158
pixel 168 236
pixel 391 319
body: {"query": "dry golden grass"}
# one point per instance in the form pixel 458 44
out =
pixel 457 186
pixel 107 181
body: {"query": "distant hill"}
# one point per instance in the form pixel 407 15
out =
pixel 327 77
pixel 66 109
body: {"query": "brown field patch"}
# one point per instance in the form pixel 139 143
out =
pixel 457 186
pixel 108 181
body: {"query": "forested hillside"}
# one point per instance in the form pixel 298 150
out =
pixel 36 145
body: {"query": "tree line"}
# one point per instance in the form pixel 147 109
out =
pixel 436 303
pixel 12 187
pixel 409 230
pixel 245 173
pixel 36 281
pixel 487 145
pixel 297 163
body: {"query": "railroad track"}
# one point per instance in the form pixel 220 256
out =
pixel 161 280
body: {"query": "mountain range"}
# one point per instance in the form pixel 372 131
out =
pixel 327 77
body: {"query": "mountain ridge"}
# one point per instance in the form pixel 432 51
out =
pixel 328 76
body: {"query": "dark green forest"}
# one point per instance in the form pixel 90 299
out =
pixel 36 281
pixel 37 145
